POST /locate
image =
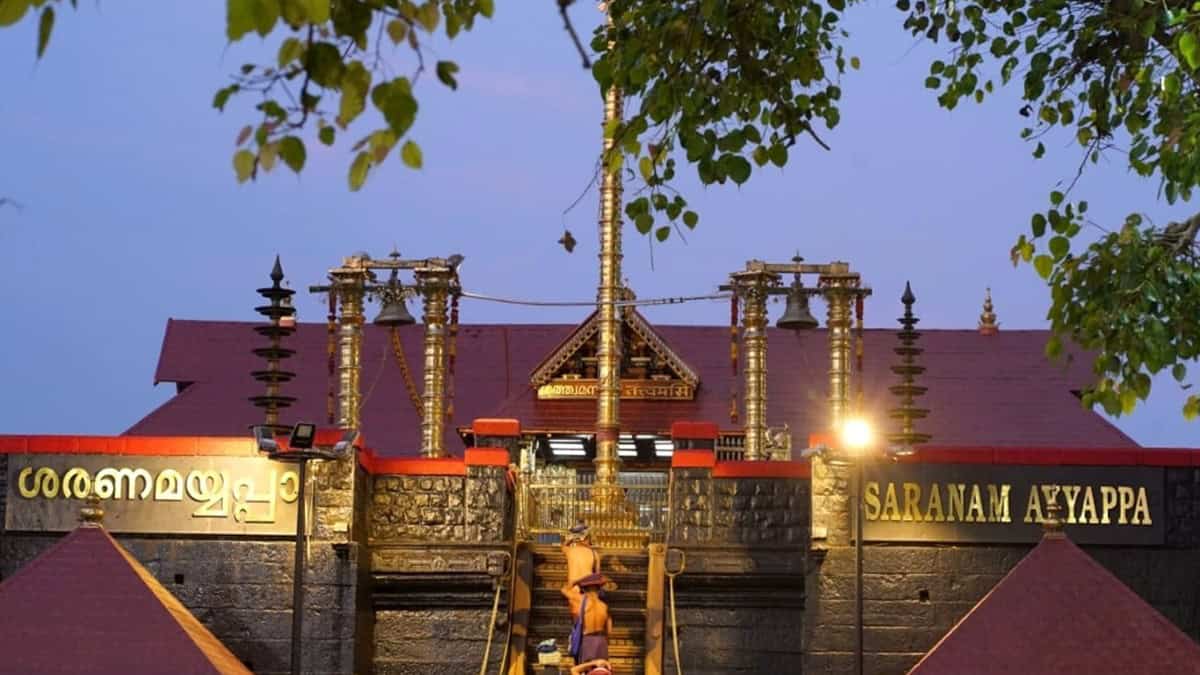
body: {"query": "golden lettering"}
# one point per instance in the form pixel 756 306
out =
pixel 243 497
pixel 76 482
pixel 112 483
pixel 871 500
pixel 912 502
pixel 975 512
pixel 210 487
pixel 1050 496
pixel 49 481
pixel 1108 498
pixel 1033 510
pixel 1089 506
pixel 1125 497
pixel 1072 494
pixel 289 487
pixel 1141 511
pixel 28 492
pixel 957 494
pixel 168 487
pixel 891 509
pixel 998 504
pixel 935 504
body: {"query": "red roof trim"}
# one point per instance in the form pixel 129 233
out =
pixel 1059 456
pixel 693 459
pixel 486 426
pixel 486 457
pixel 695 430
pixel 416 466
pixel 129 445
pixel 762 470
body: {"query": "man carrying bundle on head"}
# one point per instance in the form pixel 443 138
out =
pixel 582 560
pixel 589 638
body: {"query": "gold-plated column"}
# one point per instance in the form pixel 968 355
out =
pixel 349 283
pixel 608 356
pixel 839 286
pixel 751 286
pixel 434 284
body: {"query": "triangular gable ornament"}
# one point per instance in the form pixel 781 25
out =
pixel 650 370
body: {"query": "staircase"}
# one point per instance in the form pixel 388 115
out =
pixel 550 617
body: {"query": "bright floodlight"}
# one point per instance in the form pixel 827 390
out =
pixel 856 434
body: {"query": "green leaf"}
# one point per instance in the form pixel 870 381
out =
pixel 324 63
pixel 317 10
pixel 662 233
pixel 358 171
pixel 410 154
pixel 1189 46
pixel 291 50
pixel 356 82
pixel 1056 197
pixel 239 18
pixel 1038 224
pixel 291 149
pixel 646 167
pixel 690 219
pixel 1044 264
pixel 428 15
pixel 1053 347
pixel 395 100
pixel 487 7
pixel 855 63
pixel 243 165
pixel 738 168
pixel 397 30
pixel 1191 408
pixel 1059 247
pixel 326 135
pixel 266 13
pixel 222 96
pixel 778 154
pixel 1129 400
pixel 643 222
pixel 445 73
pixel 45 26
pixel 1179 372
pixel 11 11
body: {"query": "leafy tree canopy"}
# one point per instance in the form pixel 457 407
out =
pixel 726 86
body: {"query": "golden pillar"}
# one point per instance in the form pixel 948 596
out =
pixel 434 284
pixel 752 286
pixel 608 356
pixel 840 288
pixel 349 283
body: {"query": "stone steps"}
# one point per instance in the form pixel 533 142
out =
pixel 551 618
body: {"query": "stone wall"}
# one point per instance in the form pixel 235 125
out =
pixel 446 509
pixel 241 588
pixel 740 597
pixel 438 546
pixel 914 594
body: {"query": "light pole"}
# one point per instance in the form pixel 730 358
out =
pixel 301 449
pixel 856 436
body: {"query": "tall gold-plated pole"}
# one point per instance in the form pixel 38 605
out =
pixel 840 287
pixel 608 356
pixel 751 286
pixel 434 283
pixel 349 282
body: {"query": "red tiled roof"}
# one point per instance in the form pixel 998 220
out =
pixel 87 606
pixel 983 390
pixel 1059 611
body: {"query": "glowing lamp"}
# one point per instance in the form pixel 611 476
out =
pixel 856 434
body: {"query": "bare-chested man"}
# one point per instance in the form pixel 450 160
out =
pixel 596 621
pixel 582 560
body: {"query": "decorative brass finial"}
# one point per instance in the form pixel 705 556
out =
pixel 279 312
pixel 908 370
pixel 1052 524
pixel 91 514
pixel 987 320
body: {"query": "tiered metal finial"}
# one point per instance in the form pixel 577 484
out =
pixel 91 514
pixel 987 320
pixel 908 370
pixel 276 312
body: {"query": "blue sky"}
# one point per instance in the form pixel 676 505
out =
pixel 132 214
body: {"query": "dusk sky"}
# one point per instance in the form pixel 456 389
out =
pixel 132 215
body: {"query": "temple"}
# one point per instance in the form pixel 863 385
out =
pixel 374 493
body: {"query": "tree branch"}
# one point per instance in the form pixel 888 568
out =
pixel 562 10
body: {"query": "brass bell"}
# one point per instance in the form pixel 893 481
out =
pixel 797 315
pixel 394 313
pixel 395 310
